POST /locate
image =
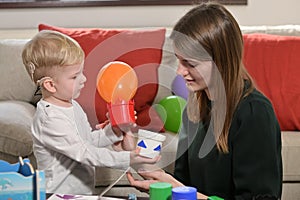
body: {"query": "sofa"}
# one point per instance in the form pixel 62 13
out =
pixel 271 57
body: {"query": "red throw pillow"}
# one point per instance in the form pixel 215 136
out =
pixel 141 49
pixel 274 64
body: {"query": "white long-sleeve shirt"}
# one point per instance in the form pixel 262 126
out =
pixel 67 149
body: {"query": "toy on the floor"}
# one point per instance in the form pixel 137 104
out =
pixel 21 181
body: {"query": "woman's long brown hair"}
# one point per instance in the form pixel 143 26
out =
pixel 212 27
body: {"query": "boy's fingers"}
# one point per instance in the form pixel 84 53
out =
pixel 102 125
pixel 129 132
pixel 149 160
pixel 158 158
pixel 138 150
pixel 107 115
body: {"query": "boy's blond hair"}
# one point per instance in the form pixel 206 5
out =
pixel 49 50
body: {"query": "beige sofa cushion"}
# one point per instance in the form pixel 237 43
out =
pixel 292 30
pixel 290 155
pixel 15 82
pixel 15 121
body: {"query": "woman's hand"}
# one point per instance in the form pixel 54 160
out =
pixel 142 185
pixel 151 177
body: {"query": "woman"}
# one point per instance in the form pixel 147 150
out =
pixel 230 142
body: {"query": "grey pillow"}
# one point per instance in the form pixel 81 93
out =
pixel 15 127
pixel 15 81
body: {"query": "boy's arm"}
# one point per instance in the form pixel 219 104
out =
pixel 127 144
pixel 105 136
pixel 59 134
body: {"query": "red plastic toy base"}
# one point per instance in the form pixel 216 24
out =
pixel 121 113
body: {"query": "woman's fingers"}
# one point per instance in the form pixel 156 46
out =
pixel 155 174
pixel 139 184
pixel 130 178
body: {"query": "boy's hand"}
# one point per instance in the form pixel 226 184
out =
pixel 129 141
pixel 120 129
pixel 127 144
pixel 102 125
pixel 136 160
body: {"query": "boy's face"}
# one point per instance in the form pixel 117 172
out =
pixel 69 80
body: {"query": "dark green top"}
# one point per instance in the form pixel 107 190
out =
pixel 253 166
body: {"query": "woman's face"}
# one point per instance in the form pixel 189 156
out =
pixel 197 74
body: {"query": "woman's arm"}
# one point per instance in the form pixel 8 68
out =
pixel 256 146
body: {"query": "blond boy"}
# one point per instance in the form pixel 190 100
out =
pixel 65 146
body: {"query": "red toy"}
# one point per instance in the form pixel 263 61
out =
pixel 117 84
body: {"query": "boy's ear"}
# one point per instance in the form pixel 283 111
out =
pixel 49 85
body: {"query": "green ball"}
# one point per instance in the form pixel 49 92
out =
pixel 170 111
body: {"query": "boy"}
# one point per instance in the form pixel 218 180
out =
pixel 65 146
